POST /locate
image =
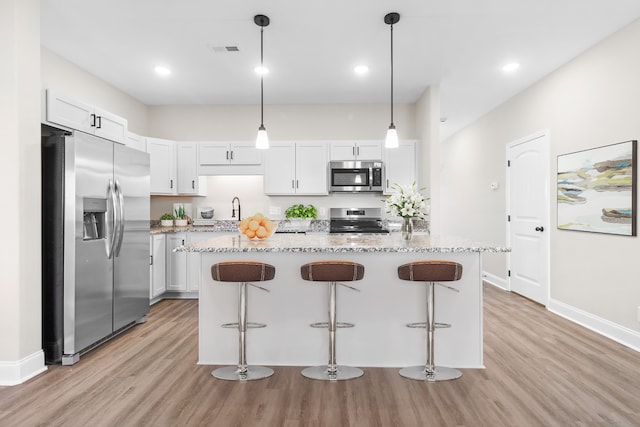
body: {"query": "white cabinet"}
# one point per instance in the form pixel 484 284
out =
pixel 400 165
pixel 87 118
pixel 360 150
pixel 187 167
pixel 296 168
pixel 158 266
pixel 176 263
pixel 232 158
pixel 136 141
pixel 162 166
pixel 183 268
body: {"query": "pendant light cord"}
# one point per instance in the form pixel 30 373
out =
pixel 391 74
pixel 261 77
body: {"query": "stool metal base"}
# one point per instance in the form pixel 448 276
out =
pixel 322 373
pixel 232 373
pixel 420 373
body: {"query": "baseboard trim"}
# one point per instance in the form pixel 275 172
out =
pixel 494 280
pixel 618 333
pixel 14 373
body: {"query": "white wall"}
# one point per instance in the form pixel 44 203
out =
pixel 283 122
pixel 20 350
pixel 590 102
pixel 71 80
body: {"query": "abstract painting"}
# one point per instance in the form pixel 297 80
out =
pixel 597 190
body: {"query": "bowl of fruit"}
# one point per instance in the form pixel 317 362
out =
pixel 257 227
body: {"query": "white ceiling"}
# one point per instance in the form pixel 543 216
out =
pixel 312 47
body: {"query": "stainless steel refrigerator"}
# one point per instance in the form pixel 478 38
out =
pixel 95 241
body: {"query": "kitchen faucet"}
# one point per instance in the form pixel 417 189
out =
pixel 233 208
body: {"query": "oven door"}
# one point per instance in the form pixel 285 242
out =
pixel 350 179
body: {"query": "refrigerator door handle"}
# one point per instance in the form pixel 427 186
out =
pixel 111 221
pixel 119 219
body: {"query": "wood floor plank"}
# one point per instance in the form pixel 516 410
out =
pixel 541 370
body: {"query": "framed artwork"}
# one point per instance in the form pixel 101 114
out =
pixel 597 190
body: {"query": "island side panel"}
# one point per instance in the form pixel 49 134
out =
pixel 380 311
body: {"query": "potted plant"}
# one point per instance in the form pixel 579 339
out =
pixel 166 220
pixel 300 216
pixel 181 218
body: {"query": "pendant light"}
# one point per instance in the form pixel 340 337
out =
pixel 262 140
pixel 392 135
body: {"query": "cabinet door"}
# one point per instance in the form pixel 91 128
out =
pixel 214 153
pixel 369 150
pixel 280 168
pixel 400 165
pixel 69 112
pixel 176 263
pixel 158 265
pixel 110 126
pixel 245 153
pixel 343 150
pixel 193 260
pixel 311 168
pixel 187 167
pixel 162 167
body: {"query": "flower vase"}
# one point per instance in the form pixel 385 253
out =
pixel 407 228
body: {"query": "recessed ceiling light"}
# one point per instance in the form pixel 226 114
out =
pixel 510 67
pixel 261 70
pixel 361 69
pixel 162 71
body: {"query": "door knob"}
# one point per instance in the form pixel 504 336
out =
pixel 539 228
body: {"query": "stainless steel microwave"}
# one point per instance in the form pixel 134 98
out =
pixel 352 176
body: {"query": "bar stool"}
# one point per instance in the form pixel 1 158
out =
pixel 242 272
pixel 430 272
pixel 332 272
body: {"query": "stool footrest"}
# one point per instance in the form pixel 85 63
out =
pixel 326 325
pixel 249 325
pixel 423 325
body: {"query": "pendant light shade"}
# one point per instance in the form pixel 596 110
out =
pixel 391 140
pixel 262 140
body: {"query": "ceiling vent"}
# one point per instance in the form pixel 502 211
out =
pixel 224 49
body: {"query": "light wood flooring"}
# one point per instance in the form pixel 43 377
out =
pixel 541 370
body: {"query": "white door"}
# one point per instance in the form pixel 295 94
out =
pixel 528 209
pixel 280 168
pixel 187 168
pixel 311 168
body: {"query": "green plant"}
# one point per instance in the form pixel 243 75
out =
pixel 180 213
pixel 167 217
pixel 301 211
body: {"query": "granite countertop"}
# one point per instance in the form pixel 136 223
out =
pixel 337 243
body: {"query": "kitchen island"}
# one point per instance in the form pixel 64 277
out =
pixel 380 311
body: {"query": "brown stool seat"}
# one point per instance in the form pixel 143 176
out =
pixel 332 272
pixel 242 272
pixel 430 272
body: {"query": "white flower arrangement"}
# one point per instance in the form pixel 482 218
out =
pixel 407 202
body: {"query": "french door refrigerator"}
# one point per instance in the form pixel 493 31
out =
pixel 95 241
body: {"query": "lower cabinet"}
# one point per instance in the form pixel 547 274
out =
pixel 183 269
pixel 158 281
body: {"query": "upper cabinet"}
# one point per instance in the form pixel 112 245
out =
pixel 136 142
pixel 361 150
pixel 229 158
pixel 87 118
pixel 163 166
pixel 187 167
pixel 296 168
pixel 400 165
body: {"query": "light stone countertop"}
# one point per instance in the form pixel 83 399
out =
pixel 339 243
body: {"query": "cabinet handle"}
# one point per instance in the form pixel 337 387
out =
pixel 292 184
pixel 353 150
pixel 150 259
pixel 358 150
pixel 231 154
pixel 171 183
pixel 193 184
pixel 93 120
pixel 99 122
pixel 182 242
pixel 227 154
pixel 387 182
pixel 297 184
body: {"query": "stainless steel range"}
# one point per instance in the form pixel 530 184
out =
pixel 356 221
